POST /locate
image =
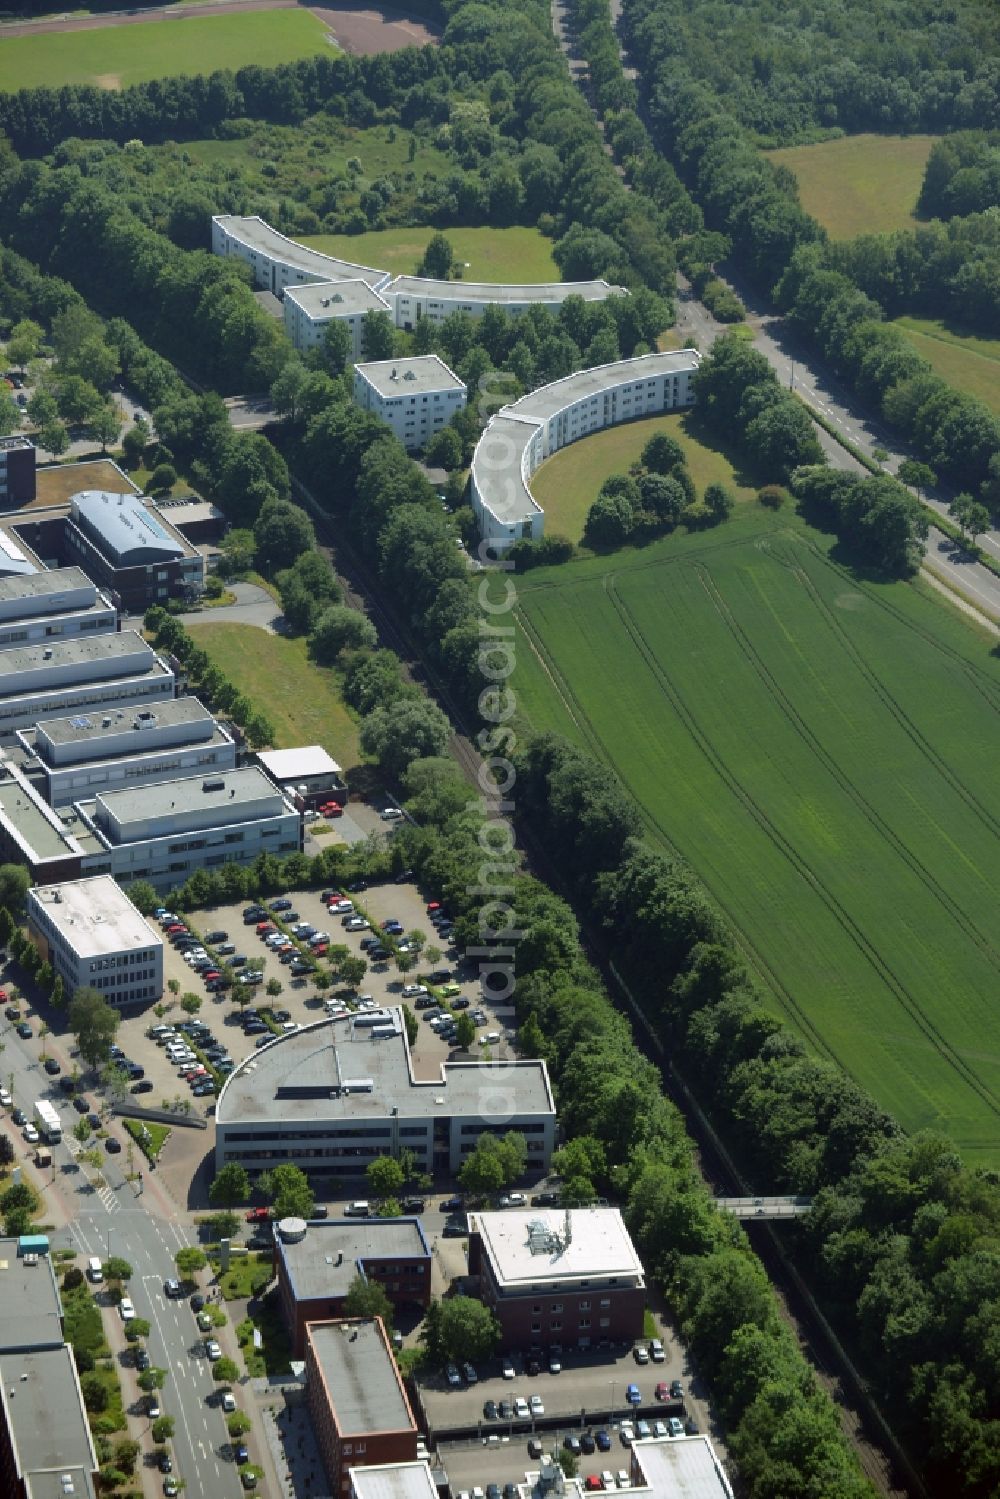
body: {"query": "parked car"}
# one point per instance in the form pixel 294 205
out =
pixel 572 1444
pixel 587 1443
pixel 676 1390
pixel 453 1377
pixel 656 1352
pixel 213 1351
pixel 632 1394
pixel 603 1440
pixel 675 1428
pixel 126 1310
pixel 640 1353
pixel 52 1066
pixel 143 1086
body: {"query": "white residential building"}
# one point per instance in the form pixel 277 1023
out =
pixel 79 675
pixel 308 310
pixel 95 938
pixel 334 1095
pixel 415 297
pixel 415 397
pixel 278 262
pixel 530 430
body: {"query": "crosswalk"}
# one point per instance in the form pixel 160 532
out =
pixel 105 1194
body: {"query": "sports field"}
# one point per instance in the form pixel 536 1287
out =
pixel 823 752
pixel 969 363
pixel 567 484
pixel 487 254
pixel 303 700
pixel 860 184
pixel 115 56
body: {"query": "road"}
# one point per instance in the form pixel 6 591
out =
pixel 113 1220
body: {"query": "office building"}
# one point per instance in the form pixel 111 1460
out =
pixel 677 1468
pixel 360 1412
pixel 278 262
pixel 530 430
pixel 80 675
pixel 317 1263
pixel 570 1277
pixel 52 605
pixel 72 758
pixel 415 397
pixel 125 544
pixel 416 298
pixel 306 774
pixel 309 309
pixel 393 1481
pixel 17 472
pixel 17 559
pixel 95 938
pixel 335 1094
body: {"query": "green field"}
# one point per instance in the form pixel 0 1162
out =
pixel 823 752
pixel 115 56
pixel 860 184
pixel 303 701
pixel 491 254
pixel 566 485
pixel 970 363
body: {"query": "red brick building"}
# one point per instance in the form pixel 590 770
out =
pixel 360 1412
pixel 315 1270
pixel 571 1278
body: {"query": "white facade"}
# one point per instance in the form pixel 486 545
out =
pixel 308 310
pixel 96 939
pixel 79 675
pixel 336 1094
pixel 278 262
pixel 415 397
pixel 530 430
pixel 416 298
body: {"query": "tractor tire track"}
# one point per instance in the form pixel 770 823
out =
pixel 843 918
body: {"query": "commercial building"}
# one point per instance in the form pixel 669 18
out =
pixel 82 674
pixel 530 430
pixel 677 1468
pixel 335 1094
pixel 571 1277
pixel 308 310
pixel 393 1481
pixel 17 560
pixel 316 1264
pixel 17 472
pixel 278 262
pixel 359 1408
pixel 308 775
pixel 95 938
pixel 415 397
pixel 53 605
pixel 71 758
pixel 122 544
pixel 46 1450
pixel 415 297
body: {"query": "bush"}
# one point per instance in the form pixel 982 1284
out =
pixel 73 1278
pixel 772 496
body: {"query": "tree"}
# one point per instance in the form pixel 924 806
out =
pixel 162 479
pixel 366 1298
pixel 77 400
pixel 495 1163
pixel 15 881
pixel 719 502
pixel 94 1392
pixel 662 454
pixel 53 438
pixel 105 425
pixel 116 1269
pixel 224 1371
pixel 340 628
pixel 143 896
pixel 385 1176
pixel 352 970
pixel 438 260
pixel 238 1424
pixel 972 517
pixel 919 476
pixel 335 347
pixel 378 336
pixel 191 1004
pixel 10 413
pixel 224 1225
pixel 152 1379
pixel 288 389
pixel 465 1030
pixel 288 1190
pixel 94 1023
pixel 189 1261
pixel 163 1426
pixel 407 730
pixel 468 1331
pixel 282 532
pixel 611 518
pixel 134 445
pixel 24 343
pixel 445 449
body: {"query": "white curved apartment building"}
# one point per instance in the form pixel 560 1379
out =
pixel 416 297
pixel 278 262
pixel 530 430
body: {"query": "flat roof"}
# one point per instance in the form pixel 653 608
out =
pixel 217 789
pixel 409 377
pixel 311 1263
pixel 501 291
pixel 108 722
pixel 394 1481
pixel 531 1245
pixel 14 441
pixel 291 764
pixel 124 524
pixel 296 1078
pixel 33 826
pixel 319 299
pixel 189 512
pixel 16 560
pixel 499 464
pixel 32 1311
pixel 94 916
pixel 682 1468
pixel 252 231
pixel 56 653
pixel 361 1377
pixel 52 580
pixel 43 1412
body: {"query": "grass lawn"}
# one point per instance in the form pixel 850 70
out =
pixel 301 700
pixel 491 254
pixel 381 149
pixel 245 1276
pixel 55 485
pixel 115 56
pixel 970 363
pixel 860 184
pixel 85 1332
pixel 821 749
pixel 566 485
pixel 155 1136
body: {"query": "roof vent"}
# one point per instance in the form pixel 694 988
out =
pixel 394 374
pixel 215 784
pixel 47 653
pixel 409 375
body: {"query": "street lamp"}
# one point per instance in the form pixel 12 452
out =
pixel 611 1413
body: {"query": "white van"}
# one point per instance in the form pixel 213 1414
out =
pixel 359 1209
pixel 94 1271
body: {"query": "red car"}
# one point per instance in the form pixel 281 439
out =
pixel 258 1215
pixel 432 906
pixel 176 929
pixel 321 949
pixel 263 927
pixel 661 1392
pixel 332 809
pixel 594 1484
pixel 212 973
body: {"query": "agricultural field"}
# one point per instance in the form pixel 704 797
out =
pixel 114 56
pixel 860 184
pixel 821 749
pixel 567 484
pixel 970 363
pixel 487 254
pixel 303 700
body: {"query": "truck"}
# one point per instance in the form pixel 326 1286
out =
pixel 48 1121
